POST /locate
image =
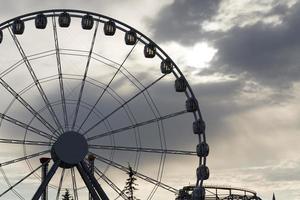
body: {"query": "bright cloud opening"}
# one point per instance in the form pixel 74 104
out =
pixel 200 55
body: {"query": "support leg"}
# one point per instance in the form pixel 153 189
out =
pixel 91 160
pixel 45 162
pixel 94 182
pixel 44 184
pixel 87 182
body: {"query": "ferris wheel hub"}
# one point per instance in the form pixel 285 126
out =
pixel 70 148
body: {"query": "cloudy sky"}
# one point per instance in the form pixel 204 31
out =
pixel 242 61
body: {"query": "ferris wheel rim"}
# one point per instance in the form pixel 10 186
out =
pixel 144 39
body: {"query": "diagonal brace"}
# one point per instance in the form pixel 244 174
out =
pixel 94 181
pixel 46 181
pixel 87 182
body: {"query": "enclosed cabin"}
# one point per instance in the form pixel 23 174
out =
pixel 198 193
pixel 18 27
pixel 166 66
pixel 87 22
pixel 64 20
pixel 40 21
pixel 109 28
pixel 130 37
pixel 180 84
pixel 149 50
pixel 202 149
pixel 191 104
pixel 202 172
pixel 199 127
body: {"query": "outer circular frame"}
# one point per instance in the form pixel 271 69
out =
pixel 198 126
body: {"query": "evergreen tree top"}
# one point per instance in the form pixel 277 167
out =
pixel 67 195
pixel 130 185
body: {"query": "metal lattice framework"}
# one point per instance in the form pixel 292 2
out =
pixel 217 192
pixel 69 112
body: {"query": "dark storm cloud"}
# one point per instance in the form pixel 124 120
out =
pixel 217 101
pixel 279 9
pixel 266 53
pixel 181 21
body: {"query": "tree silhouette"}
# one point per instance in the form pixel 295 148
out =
pixel 67 195
pixel 273 196
pixel 131 184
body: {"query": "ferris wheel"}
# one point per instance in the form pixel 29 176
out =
pixel 84 99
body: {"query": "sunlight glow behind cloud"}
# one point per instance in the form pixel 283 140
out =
pixel 200 55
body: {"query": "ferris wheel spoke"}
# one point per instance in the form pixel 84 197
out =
pixel 60 78
pixel 110 183
pixel 74 184
pixel 145 150
pixel 46 181
pixel 8 183
pixel 26 126
pixel 120 71
pixel 85 74
pixel 60 183
pixel 121 106
pixel 26 142
pixel 27 106
pixel 137 125
pixel 108 85
pixel 21 180
pixel 36 81
pixel 24 158
pixel 139 175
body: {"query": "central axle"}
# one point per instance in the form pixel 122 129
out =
pixel 70 149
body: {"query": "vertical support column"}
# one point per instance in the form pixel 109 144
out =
pixel 45 162
pixel 91 159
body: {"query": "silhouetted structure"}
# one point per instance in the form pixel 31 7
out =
pixel 214 192
pixel 63 132
pixel 45 162
pixel 91 160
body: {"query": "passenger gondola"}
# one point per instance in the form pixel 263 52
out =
pixel 191 104
pixel 40 21
pixel 109 28
pixel 149 50
pixel 130 37
pixel 180 84
pixel 87 22
pixel 64 20
pixel 18 27
pixel 166 66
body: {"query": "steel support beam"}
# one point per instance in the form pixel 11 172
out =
pixel 45 162
pixel 46 181
pixel 91 160
pixel 94 181
pixel 87 182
